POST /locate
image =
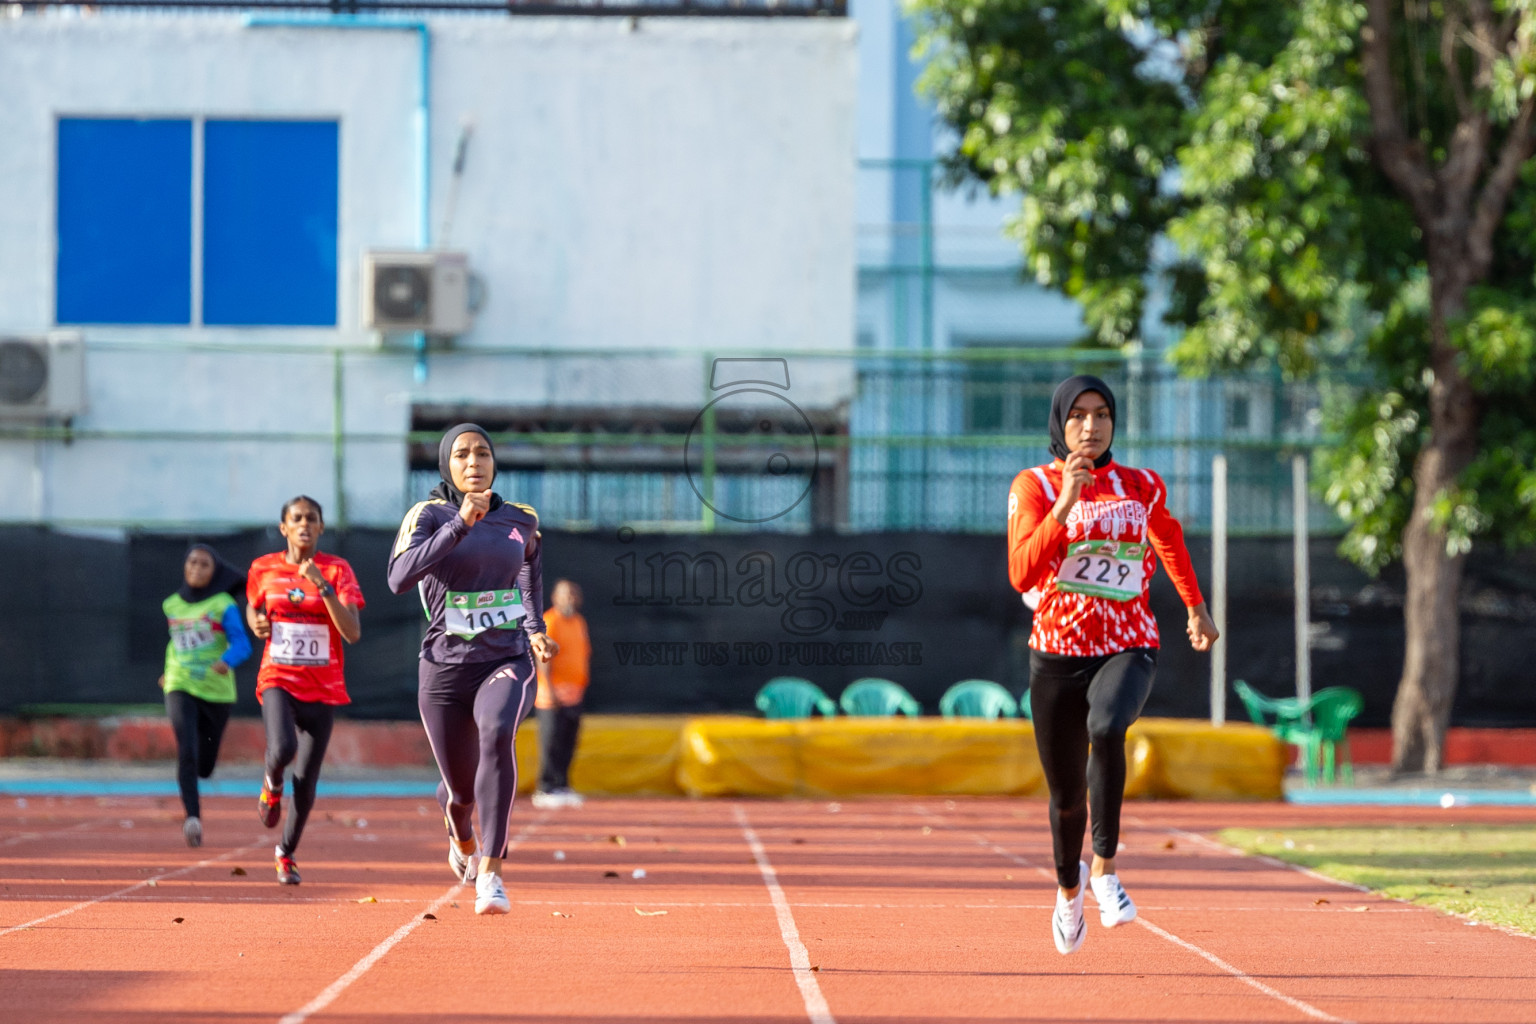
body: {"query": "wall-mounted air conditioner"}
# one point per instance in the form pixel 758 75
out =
pixel 42 377
pixel 416 291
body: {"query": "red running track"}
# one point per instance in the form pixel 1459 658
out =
pixel 868 911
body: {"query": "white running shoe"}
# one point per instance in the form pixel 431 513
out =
pixel 463 863
pixel 491 896
pixel 545 800
pixel 1115 906
pixel 192 832
pixel 1068 927
pixel 569 798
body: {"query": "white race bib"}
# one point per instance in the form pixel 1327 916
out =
pixel 301 643
pixel 1102 568
pixel 467 614
pixel 189 635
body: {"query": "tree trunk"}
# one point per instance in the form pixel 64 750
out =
pixel 1431 658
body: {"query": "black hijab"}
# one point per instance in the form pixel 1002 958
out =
pixel 226 578
pixel 1068 392
pixel 445 489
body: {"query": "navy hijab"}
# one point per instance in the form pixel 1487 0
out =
pixel 226 578
pixel 1067 392
pixel 445 488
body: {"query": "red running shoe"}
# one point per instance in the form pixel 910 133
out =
pixel 269 805
pixel 287 871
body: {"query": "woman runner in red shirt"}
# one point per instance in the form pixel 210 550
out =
pixel 304 603
pixel 1082 530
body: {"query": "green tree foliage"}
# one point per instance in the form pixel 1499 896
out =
pixel 1338 188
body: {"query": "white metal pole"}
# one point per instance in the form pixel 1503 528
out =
pixel 1219 589
pixel 1303 577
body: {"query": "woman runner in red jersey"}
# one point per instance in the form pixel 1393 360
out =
pixel 1082 531
pixel 304 603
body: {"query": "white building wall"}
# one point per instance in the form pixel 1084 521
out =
pixel 685 184
pixel 979 294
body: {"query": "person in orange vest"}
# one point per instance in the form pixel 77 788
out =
pixel 562 687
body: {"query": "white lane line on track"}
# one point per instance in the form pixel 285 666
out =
pixel 1296 1004
pixel 1291 1001
pixel 816 1007
pixel 341 984
pixel 363 966
pixel 731 904
pixel 1403 906
pixel 260 840
pixel 27 837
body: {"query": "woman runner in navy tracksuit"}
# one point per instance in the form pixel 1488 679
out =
pixel 477 562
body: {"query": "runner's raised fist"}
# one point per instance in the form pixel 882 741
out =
pixel 1076 473
pixel 475 506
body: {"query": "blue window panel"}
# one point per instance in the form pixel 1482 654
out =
pixel 269 223
pixel 124 222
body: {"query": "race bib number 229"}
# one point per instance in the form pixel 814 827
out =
pixel 1102 568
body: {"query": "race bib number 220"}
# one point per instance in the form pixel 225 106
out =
pixel 301 643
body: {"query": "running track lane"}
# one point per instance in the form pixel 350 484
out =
pixel 898 923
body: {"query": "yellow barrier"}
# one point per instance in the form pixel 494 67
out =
pixel 630 755
pixel 727 756
pixel 1179 759
pixel 733 755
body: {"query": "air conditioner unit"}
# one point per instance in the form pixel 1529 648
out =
pixel 416 291
pixel 42 378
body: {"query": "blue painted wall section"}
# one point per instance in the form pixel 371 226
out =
pixel 124 222
pixel 269 223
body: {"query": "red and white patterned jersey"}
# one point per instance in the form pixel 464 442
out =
pixel 1124 513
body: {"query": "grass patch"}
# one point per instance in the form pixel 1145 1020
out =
pixel 1485 871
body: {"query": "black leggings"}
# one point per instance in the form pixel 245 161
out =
pixel 199 728
pixel 558 727
pixel 298 732
pixel 471 713
pixel 1076 702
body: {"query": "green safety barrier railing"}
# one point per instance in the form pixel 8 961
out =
pixel 932 471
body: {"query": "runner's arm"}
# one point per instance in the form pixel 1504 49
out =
pixel 420 546
pixel 1167 538
pixel 342 596
pixel 1034 535
pixel 255 607
pixel 234 632
pixel 530 580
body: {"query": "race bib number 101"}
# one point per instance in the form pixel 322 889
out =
pixel 301 643
pixel 469 614
pixel 1102 568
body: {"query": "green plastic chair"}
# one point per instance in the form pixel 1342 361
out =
pixel 1331 710
pixel 792 697
pixel 1026 709
pixel 1266 711
pixel 877 698
pixel 978 698
pixel 1316 727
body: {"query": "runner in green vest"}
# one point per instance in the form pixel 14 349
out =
pixel 207 641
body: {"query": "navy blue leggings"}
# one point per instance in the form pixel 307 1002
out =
pixel 199 728
pixel 471 713
pixel 1078 703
